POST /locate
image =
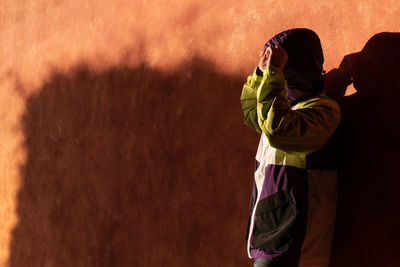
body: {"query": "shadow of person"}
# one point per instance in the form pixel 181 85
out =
pixel 368 218
pixel 134 166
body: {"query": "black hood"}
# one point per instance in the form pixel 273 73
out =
pixel 303 70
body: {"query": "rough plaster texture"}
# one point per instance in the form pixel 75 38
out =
pixel 122 136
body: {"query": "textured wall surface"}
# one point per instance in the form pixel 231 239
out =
pixel 122 134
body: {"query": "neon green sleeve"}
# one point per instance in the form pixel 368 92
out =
pixel 248 99
pixel 295 131
pixel 302 130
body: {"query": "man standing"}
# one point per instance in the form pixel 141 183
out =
pixel 292 209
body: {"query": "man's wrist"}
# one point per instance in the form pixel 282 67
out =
pixel 272 70
pixel 259 72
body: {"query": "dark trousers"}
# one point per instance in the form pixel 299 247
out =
pixel 261 262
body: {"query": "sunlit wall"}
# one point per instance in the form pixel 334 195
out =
pixel 39 38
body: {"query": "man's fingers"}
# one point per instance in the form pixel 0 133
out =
pixel 268 52
pixel 274 55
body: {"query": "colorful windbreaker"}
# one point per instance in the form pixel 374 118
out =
pixel 292 209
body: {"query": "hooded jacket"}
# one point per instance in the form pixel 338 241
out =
pixel 292 208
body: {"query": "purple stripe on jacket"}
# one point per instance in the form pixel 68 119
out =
pixel 294 181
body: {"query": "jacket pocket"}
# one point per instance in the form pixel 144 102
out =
pixel 275 222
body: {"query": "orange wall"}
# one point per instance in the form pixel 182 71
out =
pixel 122 136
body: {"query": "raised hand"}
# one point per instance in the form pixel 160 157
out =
pixel 274 56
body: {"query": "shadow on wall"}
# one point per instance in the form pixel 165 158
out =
pixel 135 167
pixel 367 229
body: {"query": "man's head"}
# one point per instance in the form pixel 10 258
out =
pixel 303 70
